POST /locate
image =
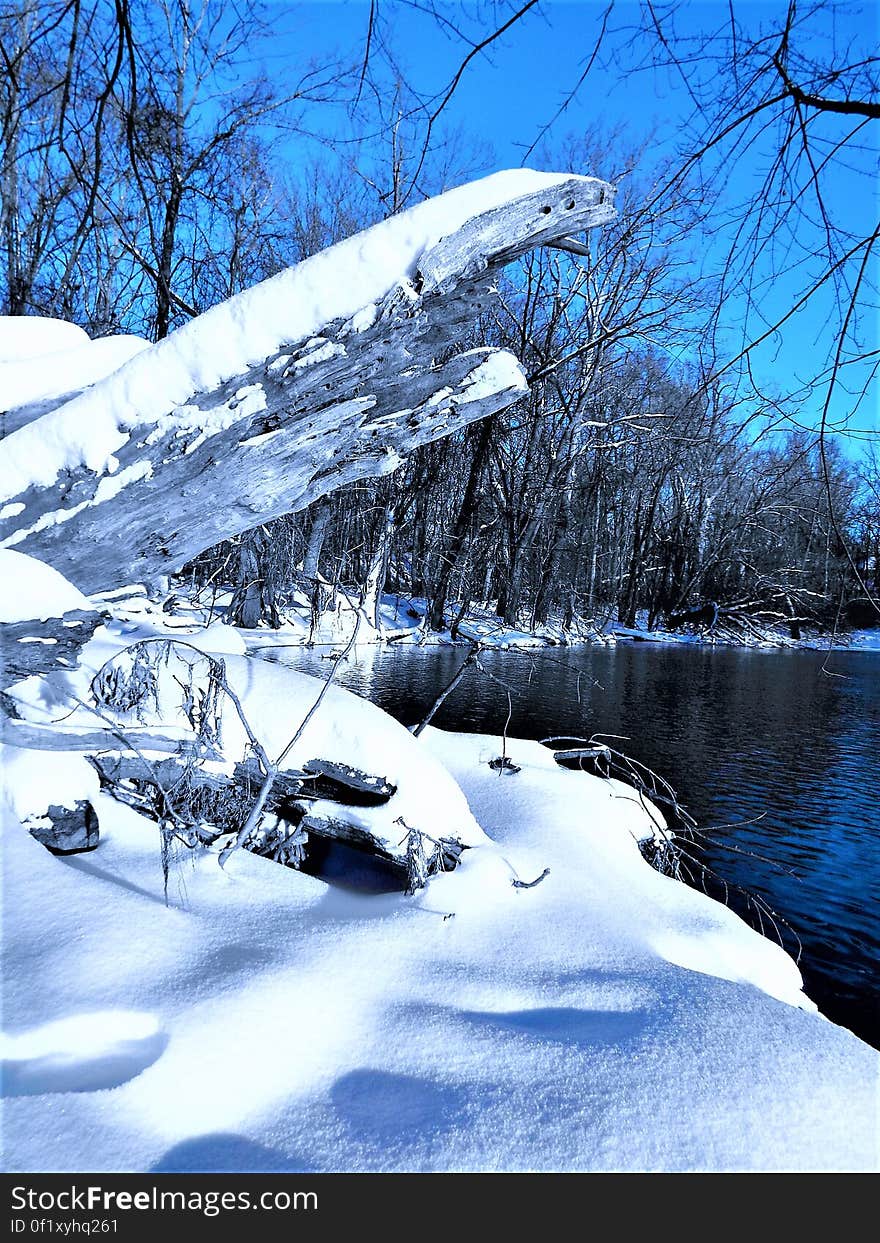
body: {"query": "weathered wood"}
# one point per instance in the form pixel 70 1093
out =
pixel 61 737
pixel 173 773
pixel 66 830
pixel 344 406
pixel 596 760
pixel 582 753
pixel 351 785
pixel 39 647
pixel 336 828
pixel 165 786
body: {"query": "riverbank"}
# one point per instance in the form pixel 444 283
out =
pixel 402 619
pixel 607 1019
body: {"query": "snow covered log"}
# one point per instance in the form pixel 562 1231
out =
pixel 327 373
pixel 322 801
pixel 39 647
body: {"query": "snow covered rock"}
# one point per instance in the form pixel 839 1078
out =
pixel 52 795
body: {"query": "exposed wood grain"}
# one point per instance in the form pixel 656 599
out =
pixel 41 647
pixel 413 376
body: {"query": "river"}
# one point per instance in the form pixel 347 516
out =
pixel 765 737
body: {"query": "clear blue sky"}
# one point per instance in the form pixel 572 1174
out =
pixel 509 93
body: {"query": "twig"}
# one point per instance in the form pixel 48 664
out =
pixel 530 884
pixel 469 660
pixel 272 770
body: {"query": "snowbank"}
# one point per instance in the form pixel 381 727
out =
pixel 32 336
pixel 33 590
pixel 608 1018
pixel 64 372
pixel 33 781
pixel 152 389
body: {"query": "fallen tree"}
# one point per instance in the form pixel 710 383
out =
pixel 328 373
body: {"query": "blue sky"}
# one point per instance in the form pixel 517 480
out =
pixel 508 94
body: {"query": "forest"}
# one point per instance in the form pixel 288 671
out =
pixel 151 167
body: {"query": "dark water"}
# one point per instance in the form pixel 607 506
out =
pixel 739 734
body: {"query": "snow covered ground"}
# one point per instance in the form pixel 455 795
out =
pixel 609 1018
pixel 402 620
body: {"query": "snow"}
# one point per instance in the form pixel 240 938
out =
pixel 33 781
pixel 338 283
pixel 86 1053
pixel 862 641
pixel 33 590
pixel 402 619
pixel 608 1018
pixel 499 371
pixel 270 1021
pixel 64 372
pixel 31 336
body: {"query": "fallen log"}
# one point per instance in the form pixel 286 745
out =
pixel 41 647
pixel 270 401
pixel 210 805
pixel 61 737
pixel 350 785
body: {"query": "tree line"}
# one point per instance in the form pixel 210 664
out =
pixel 650 506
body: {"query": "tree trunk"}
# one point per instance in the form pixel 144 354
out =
pixel 558 541
pixel 378 571
pixel 254 598
pixel 295 426
pixel 452 546
pixel 311 571
pixel 166 258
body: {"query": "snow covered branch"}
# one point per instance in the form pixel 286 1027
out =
pixel 327 373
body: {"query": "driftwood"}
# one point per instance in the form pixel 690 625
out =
pixel 595 760
pixel 340 406
pixel 351 785
pixel 41 647
pixel 61 737
pixel 309 803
